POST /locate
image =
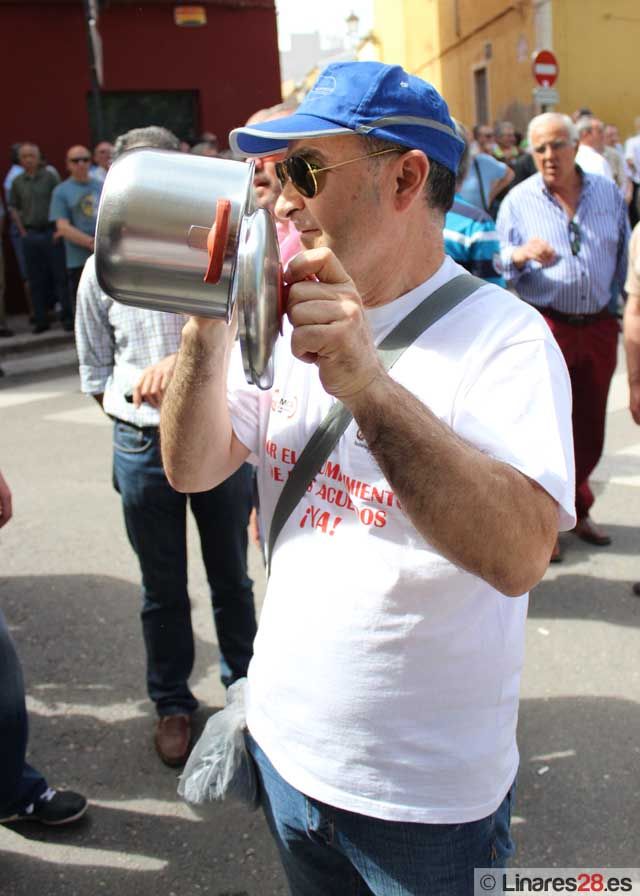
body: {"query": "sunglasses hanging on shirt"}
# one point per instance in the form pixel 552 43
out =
pixel 575 237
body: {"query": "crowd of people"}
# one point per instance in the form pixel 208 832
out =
pixel 52 224
pixel 383 680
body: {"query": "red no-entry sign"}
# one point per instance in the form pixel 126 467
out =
pixel 545 68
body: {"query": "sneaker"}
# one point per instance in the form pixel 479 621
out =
pixel 54 807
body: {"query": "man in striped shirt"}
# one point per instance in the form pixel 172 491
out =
pixel 564 236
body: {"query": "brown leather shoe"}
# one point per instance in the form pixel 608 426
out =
pixel 587 530
pixel 173 739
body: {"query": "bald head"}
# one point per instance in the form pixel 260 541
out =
pixel 78 162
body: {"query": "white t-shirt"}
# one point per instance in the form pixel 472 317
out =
pixel 592 162
pixel 384 679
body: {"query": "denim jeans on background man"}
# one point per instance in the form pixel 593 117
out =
pixel 20 784
pixel 156 520
pixel 16 242
pixel 330 852
pixel 44 262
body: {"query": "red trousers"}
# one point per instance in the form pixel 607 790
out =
pixel 590 352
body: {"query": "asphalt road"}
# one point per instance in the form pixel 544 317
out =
pixel 69 588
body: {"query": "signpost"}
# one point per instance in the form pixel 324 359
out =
pixel 546 96
pixel 545 72
pixel 95 64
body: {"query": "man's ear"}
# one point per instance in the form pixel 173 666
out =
pixel 411 176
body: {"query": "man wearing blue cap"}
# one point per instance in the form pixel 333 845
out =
pixel 383 691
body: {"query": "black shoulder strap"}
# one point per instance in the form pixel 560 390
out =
pixel 328 433
pixel 478 170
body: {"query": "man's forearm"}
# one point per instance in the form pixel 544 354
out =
pixel 195 427
pixel 71 233
pixel 17 220
pixel 479 513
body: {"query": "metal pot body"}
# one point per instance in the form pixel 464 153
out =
pixel 153 234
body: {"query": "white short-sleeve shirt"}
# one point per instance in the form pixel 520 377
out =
pixel 385 679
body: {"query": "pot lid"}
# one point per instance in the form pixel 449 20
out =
pixel 257 289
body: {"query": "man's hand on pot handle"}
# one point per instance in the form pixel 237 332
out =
pixel 330 328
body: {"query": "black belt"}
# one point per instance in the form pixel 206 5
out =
pixel 577 320
pixel 151 430
pixel 39 229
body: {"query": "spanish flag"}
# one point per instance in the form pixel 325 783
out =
pixel 190 16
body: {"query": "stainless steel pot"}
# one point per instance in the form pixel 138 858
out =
pixel 181 233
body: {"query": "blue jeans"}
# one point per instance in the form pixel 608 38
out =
pixel 16 242
pixel 330 852
pixel 44 260
pixel 156 520
pixel 20 784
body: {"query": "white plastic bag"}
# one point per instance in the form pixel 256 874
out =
pixel 220 765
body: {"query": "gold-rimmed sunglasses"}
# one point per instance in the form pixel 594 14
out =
pixel 303 174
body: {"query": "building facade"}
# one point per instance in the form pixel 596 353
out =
pixel 190 79
pixel 479 54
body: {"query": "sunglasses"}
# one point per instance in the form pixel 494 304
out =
pixel 303 174
pixel 575 237
pixel 79 159
pixel 555 145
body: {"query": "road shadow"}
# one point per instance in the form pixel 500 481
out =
pixel 625 540
pixel 585 597
pixel 578 794
pixel 225 850
pixel 91 726
pixel 80 638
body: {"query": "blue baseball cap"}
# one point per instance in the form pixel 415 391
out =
pixel 366 98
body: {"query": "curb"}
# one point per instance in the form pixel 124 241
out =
pixel 24 364
pixel 30 343
pixel 25 352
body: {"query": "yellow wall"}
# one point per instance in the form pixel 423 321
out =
pixel 598 47
pixel 443 41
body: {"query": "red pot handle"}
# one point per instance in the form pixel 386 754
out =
pixel 217 241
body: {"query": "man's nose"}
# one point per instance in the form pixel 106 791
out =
pixel 258 164
pixel 289 201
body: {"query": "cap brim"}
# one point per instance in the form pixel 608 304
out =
pixel 269 137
